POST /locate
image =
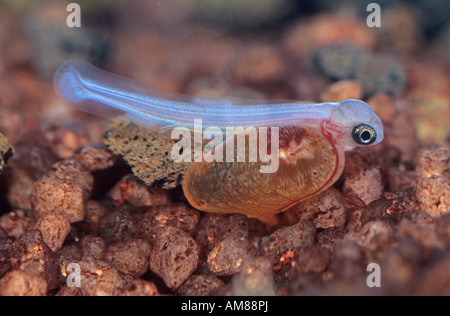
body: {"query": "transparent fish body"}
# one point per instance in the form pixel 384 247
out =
pixel 312 137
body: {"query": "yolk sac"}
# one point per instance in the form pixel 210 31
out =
pixel 308 164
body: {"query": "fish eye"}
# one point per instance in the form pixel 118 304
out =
pixel 364 134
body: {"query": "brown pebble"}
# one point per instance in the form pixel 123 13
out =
pixel 342 90
pixel 29 164
pixel 347 262
pixel 327 237
pixel 20 187
pixel 64 142
pixel 119 225
pixel 391 206
pixel 443 229
pixel 137 287
pixel 374 237
pixel 67 255
pixel 130 257
pixel 401 202
pixel 135 192
pixel 302 261
pixel 401 180
pixel 98 278
pixel 174 256
pixel 55 196
pixel 255 279
pixel 433 194
pixel 214 228
pixel 362 184
pixel 94 211
pixel 71 170
pixel 94 158
pixel 31 254
pixel 157 217
pixel 228 256
pixel 311 259
pixel 360 159
pixel 400 266
pixel 420 218
pixel 433 162
pixel 16 223
pixel 354 219
pixel 69 291
pixel 20 283
pixel 425 236
pixel 325 209
pixel 92 246
pixel 34 158
pixel 3 234
pixel 287 239
pixel 5 264
pixel 54 228
pixel 375 209
pixel 362 188
pixel 199 285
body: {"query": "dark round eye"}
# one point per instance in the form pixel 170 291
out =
pixel 364 134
